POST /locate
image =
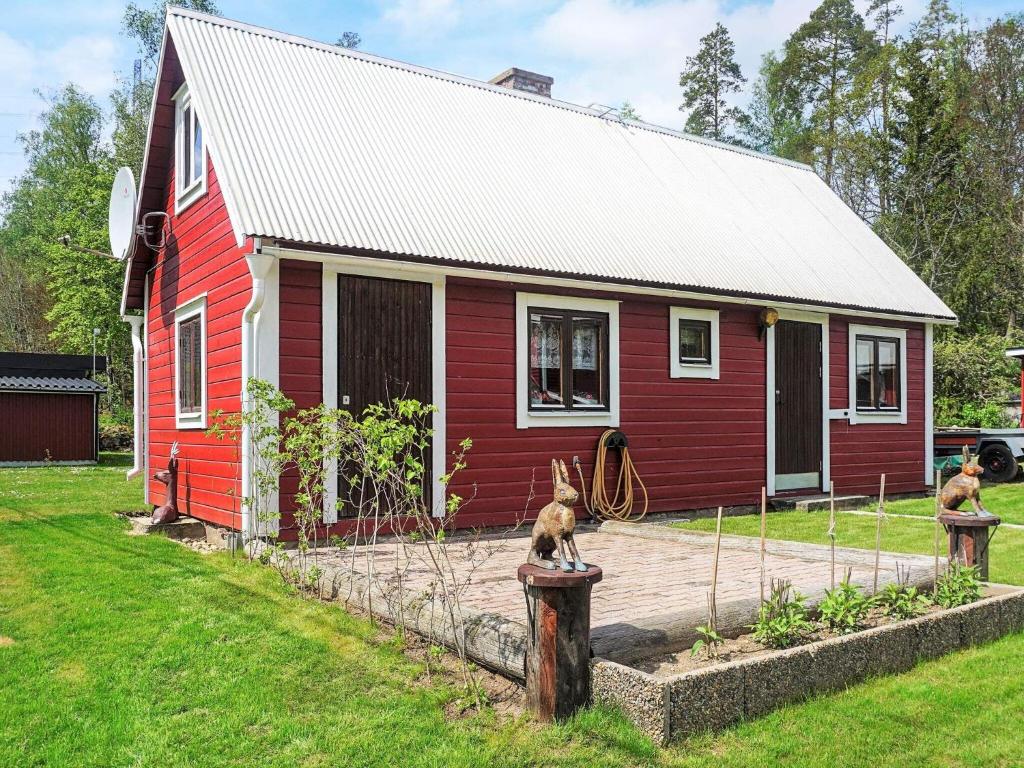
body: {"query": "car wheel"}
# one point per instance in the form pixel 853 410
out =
pixel 999 463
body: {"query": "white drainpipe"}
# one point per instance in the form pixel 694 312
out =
pixel 138 396
pixel 259 265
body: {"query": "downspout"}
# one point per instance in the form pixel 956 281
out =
pixel 138 395
pixel 259 266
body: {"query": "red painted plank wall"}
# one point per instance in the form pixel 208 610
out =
pixel 301 352
pixel 201 256
pixel 862 452
pixel 47 426
pixel 696 443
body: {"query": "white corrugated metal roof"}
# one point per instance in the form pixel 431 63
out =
pixel 317 144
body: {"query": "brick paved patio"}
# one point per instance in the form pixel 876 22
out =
pixel 655 583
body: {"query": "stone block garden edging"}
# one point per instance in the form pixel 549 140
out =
pixel 713 698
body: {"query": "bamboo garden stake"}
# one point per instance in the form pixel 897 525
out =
pixel 938 525
pixel 764 522
pixel 832 533
pixel 878 532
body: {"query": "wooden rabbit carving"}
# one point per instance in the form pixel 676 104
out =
pixel 555 525
pixel 168 513
pixel 964 487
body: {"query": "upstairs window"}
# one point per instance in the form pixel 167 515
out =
pixel 693 343
pixel 190 151
pixel 190 365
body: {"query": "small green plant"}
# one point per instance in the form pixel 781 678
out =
pixel 338 542
pixel 901 601
pixel 959 585
pixel 845 608
pixel 782 619
pixel 709 641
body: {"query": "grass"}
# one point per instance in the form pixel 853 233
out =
pixel 135 651
pixel 1003 499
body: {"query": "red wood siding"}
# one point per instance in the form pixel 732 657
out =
pixel 696 442
pixel 201 256
pixel 862 452
pixel 301 352
pixel 41 426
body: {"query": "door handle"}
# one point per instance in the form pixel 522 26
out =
pixel 778 397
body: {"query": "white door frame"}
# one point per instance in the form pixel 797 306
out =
pixel 803 317
pixel 438 364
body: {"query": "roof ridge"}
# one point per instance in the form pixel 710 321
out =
pixel 372 58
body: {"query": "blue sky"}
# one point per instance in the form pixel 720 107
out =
pixel 598 51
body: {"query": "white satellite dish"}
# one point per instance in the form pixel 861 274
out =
pixel 121 218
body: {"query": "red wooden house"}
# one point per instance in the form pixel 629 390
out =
pixel 339 223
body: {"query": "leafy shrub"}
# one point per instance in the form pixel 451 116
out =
pixel 901 601
pixel 782 618
pixel 959 585
pixel 115 437
pixel 844 608
pixel 973 378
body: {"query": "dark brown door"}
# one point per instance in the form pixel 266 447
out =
pixel 797 405
pixel 384 344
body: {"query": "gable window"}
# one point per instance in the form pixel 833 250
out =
pixel 693 343
pixel 878 361
pixel 567 352
pixel 190 365
pixel 190 152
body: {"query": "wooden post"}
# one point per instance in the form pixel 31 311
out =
pixel 938 525
pixel 557 640
pixel 832 533
pixel 878 532
pixel 764 525
pixel 969 536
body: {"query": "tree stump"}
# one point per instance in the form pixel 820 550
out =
pixel 969 536
pixel 557 640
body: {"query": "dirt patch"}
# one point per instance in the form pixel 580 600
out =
pixel 6 642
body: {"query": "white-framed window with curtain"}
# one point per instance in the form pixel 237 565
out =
pixel 877 374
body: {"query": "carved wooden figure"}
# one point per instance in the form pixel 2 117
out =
pixel 555 525
pixel 168 513
pixel 964 487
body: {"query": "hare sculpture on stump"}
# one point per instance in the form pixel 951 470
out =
pixel 964 487
pixel 555 525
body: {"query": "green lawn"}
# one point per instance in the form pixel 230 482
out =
pixel 1003 499
pixel 135 651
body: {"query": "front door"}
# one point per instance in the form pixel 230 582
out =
pixel 384 346
pixel 798 406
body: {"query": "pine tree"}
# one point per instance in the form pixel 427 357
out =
pixel 820 63
pixel 707 80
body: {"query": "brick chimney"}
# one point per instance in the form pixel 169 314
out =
pixel 521 80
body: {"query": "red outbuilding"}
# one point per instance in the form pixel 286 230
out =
pixel 49 409
pixel 332 221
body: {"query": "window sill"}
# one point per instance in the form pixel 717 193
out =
pixel 694 371
pixel 562 419
pixel 878 417
pixel 187 197
pixel 190 422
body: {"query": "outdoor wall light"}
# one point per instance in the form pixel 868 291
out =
pixel 766 320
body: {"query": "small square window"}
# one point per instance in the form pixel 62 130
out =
pixel 693 343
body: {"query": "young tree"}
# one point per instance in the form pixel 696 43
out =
pixel 349 39
pixel 775 122
pixel 707 80
pixel 820 62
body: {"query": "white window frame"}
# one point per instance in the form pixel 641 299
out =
pixel 186 311
pixel 527 419
pixel 877 417
pixel 679 370
pixel 185 195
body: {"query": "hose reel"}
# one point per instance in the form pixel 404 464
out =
pixel 600 506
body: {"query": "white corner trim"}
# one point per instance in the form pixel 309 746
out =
pixel 525 419
pixel 185 196
pixel 192 308
pixel 826 410
pixel 329 357
pixel 929 405
pixel 438 361
pixel 887 417
pixel 679 370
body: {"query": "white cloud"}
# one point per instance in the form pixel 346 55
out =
pixel 430 18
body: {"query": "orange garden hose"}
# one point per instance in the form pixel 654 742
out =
pixel 599 505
